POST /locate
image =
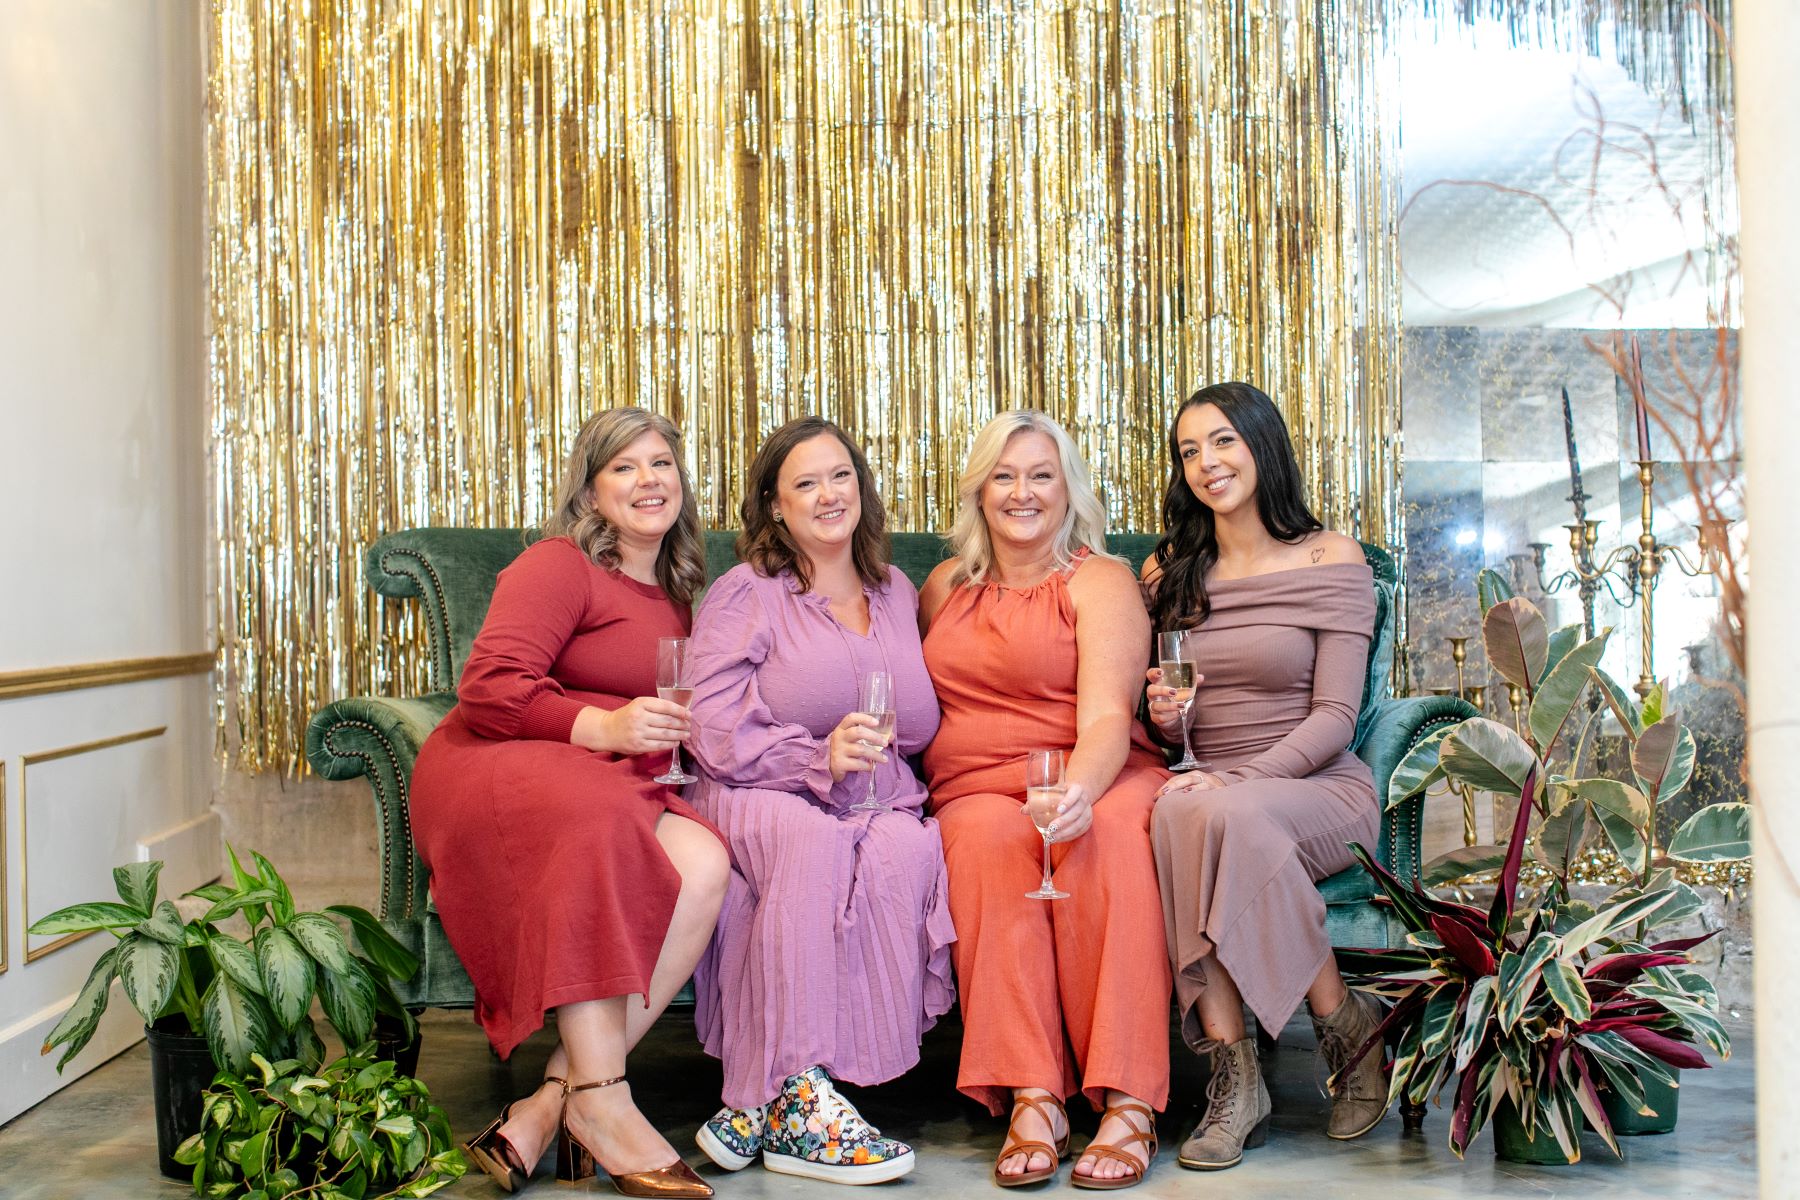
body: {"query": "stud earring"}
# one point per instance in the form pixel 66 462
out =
pixel 777 516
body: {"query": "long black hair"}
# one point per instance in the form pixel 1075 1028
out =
pixel 1190 546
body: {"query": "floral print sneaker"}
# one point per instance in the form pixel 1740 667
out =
pixel 815 1133
pixel 734 1137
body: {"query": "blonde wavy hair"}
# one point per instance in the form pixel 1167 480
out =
pixel 681 563
pixel 1084 525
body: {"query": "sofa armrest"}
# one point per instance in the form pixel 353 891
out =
pixel 1394 727
pixel 380 738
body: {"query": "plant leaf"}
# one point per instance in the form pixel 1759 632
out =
pixel 1488 756
pixel 1717 833
pixel 212 893
pixel 238 1024
pixel 1655 706
pixel 1619 701
pixel 384 950
pixel 1491 588
pixel 323 940
pixel 253 899
pixel 1613 917
pixel 84 918
pixel 236 960
pixel 1560 690
pixel 1664 759
pixel 149 971
pixel 1610 795
pixel 1625 837
pixel 1567 989
pixel 78 1024
pixel 1560 836
pixel 1517 641
pixel 287 975
pixel 348 1000
pixel 1506 889
pixel 165 925
pixel 1416 772
pixel 283 904
pixel 137 884
pixel 1462 861
pixel 1561 642
pixel 1475 1019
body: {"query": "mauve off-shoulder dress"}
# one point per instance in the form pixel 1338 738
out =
pixel 1284 657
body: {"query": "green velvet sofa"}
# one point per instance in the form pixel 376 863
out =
pixel 450 572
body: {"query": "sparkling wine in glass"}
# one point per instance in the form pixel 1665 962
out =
pixel 674 681
pixel 876 699
pixel 1044 790
pixel 1178 673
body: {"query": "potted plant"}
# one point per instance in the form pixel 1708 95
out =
pixel 356 1128
pixel 210 1000
pixel 1538 1009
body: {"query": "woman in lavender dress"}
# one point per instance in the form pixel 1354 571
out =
pixel 832 955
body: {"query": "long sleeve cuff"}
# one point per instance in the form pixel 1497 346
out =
pixel 817 776
pixel 550 717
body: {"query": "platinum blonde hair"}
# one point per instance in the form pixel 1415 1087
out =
pixel 1083 526
pixel 681 563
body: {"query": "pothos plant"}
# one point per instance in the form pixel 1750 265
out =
pixel 1535 1004
pixel 354 1130
pixel 247 994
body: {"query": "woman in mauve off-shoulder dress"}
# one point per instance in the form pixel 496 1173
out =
pixel 565 876
pixel 1278 614
pixel 832 955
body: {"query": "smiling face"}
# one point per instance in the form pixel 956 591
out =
pixel 1026 496
pixel 638 492
pixel 1215 459
pixel 818 497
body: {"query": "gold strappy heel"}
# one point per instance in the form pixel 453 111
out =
pixel 497 1155
pixel 1117 1150
pixel 1043 1106
pixel 575 1162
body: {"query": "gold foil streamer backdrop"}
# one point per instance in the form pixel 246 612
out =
pixel 442 233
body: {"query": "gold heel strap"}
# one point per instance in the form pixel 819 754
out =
pixel 568 1087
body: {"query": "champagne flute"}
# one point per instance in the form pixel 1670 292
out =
pixel 1178 673
pixel 1044 790
pixel 877 700
pixel 674 681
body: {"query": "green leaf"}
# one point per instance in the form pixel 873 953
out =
pixel 286 973
pixel 165 925
pixel 84 918
pixel 1491 588
pixel 236 960
pixel 1517 641
pixel 1655 706
pixel 1561 642
pixel 1487 755
pixel 1613 917
pixel 137 884
pixel 388 954
pixel 323 940
pixel 1626 838
pixel 1619 701
pixel 1620 799
pixel 1717 833
pixel 1461 862
pixel 1560 836
pixel 349 1001
pixel 238 1024
pixel 253 899
pixel 212 893
pixel 78 1024
pixel 1561 688
pixel 1664 759
pixel 251 1157
pixel 270 878
pixel 1567 989
pixel 149 971
pixel 1475 1020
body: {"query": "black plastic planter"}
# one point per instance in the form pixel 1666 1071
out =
pixel 181 1067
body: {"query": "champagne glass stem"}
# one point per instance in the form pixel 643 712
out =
pixel 1048 886
pixel 675 760
pixel 870 798
pixel 1187 746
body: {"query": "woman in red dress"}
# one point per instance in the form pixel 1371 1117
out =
pixel 566 877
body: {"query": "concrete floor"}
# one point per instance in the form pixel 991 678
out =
pixel 95 1138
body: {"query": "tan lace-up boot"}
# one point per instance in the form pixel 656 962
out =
pixel 1359 1100
pixel 1237 1111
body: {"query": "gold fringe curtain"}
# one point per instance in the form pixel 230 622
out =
pixel 444 232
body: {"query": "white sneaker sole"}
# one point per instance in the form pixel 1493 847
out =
pixel 851 1173
pixel 719 1152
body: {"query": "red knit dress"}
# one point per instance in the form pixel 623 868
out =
pixel 544 862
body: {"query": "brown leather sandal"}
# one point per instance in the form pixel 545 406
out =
pixel 1043 1106
pixel 575 1163
pixel 1117 1151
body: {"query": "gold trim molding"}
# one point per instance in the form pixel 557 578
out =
pixel 40 681
pixel 26 762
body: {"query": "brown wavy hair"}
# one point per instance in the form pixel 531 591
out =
pixel 768 546
pixel 681 563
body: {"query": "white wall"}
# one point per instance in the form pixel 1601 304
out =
pixel 103 510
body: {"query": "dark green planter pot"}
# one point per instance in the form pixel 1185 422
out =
pixel 1657 1095
pixel 1511 1144
pixel 181 1066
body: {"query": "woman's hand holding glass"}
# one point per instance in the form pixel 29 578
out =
pixel 647 725
pixel 856 745
pixel 1166 703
